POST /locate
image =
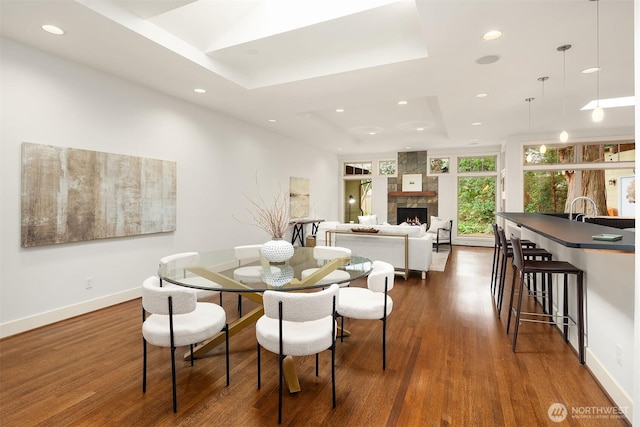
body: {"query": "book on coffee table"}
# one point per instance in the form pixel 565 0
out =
pixel 607 237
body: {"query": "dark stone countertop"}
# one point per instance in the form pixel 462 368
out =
pixel 573 234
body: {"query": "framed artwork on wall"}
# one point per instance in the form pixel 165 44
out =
pixel 412 182
pixel 72 195
pixel 299 197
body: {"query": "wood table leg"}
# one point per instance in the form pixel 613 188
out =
pixel 206 346
pixel 342 332
pixel 290 375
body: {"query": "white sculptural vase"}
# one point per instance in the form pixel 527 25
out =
pixel 277 250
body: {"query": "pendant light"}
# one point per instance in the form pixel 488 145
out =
pixel 564 135
pixel 598 113
pixel 543 148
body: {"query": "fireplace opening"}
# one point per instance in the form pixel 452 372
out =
pixel 412 215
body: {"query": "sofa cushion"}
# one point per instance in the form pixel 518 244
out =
pixel 368 219
pixel 438 223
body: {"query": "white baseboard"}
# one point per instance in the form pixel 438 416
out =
pixel 612 388
pixel 42 319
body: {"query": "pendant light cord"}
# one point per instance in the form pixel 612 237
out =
pixel 529 101
pixel 598 52
pixel 564 85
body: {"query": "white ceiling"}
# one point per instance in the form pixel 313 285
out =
pixel 296 61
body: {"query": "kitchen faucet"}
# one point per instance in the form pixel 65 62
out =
pixel 593 206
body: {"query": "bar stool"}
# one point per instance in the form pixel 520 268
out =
pixel 496 255
pixel 529 253
pixel 547 268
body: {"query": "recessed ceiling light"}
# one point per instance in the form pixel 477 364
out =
pixel 402 102
pixel 199 90
pixel 492 35
pixel 339 110
pixel 53 29
pixel 476 123
pixel 419 129
pixel 482 95
pixel 626 101
pixel 590 70
pixel 407 148
pixel 372 133
pixel 489 59
pixel 272 120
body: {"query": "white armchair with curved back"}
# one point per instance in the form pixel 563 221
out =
pixel 298 324
pixel 371 302
pixel 177 319
pixel 441 229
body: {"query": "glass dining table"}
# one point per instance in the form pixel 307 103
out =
pixel 219 270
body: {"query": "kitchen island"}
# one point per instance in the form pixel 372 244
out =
pixel 609 292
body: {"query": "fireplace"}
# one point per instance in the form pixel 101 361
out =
pixel 410 215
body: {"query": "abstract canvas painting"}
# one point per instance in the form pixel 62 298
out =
pixel 299 197
pixel 71 195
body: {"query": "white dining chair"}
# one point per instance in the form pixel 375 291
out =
pixel 177 319
pixel 298 324
pixel 371 302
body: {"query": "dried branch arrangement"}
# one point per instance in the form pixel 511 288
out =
pixel 273 218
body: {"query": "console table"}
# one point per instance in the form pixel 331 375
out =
pixel 298 228
pixel 404 274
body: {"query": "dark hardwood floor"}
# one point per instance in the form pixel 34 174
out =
pixel 449 363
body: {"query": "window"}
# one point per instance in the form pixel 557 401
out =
pixel 476 205
pixel 361 168
pixel 545 191
pixel 438 165
pixel 387 168
pixel 549 190
pixel 477 186
pixel 477 164
pixel 579 153
pixel 554 177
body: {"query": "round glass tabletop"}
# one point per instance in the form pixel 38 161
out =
pixel 220 270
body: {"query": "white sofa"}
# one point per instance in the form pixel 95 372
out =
pixel 385 248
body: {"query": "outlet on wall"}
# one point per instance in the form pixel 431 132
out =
pixel 619 354
pixel 89 283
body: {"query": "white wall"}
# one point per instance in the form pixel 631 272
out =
pixel 48 100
